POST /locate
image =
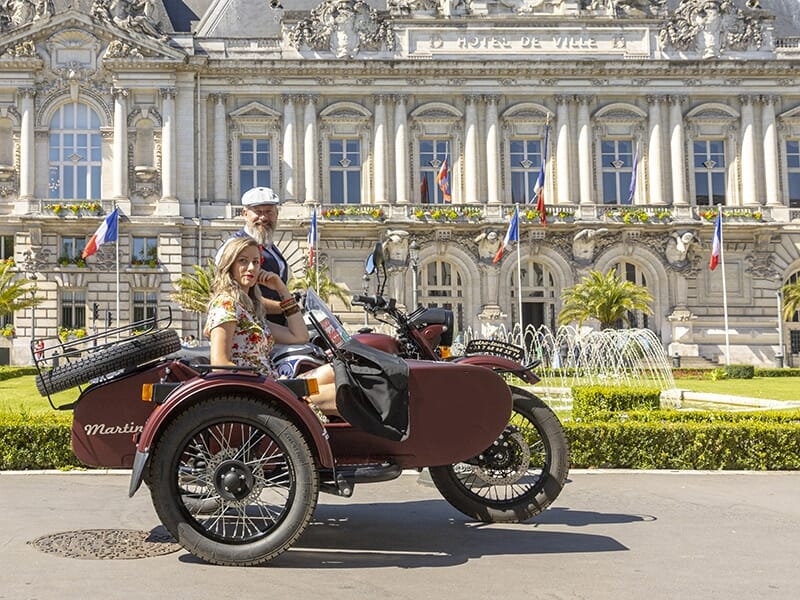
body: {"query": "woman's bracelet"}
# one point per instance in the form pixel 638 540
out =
pixel 288 302
pixel 292 310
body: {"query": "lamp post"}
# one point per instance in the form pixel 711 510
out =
pixel 413 259
pixel 366 293
pixel 779 355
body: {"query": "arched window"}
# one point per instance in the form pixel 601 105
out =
pixel 75 153
pixel 442 286
pixel 630 272
pixel 538 295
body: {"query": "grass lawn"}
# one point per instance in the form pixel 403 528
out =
pixel 768 388
pixel 20 396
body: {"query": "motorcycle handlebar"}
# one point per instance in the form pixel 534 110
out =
pixel 373 302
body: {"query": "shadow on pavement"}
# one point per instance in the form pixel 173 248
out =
pixel 427 533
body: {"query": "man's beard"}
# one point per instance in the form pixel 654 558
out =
pixel 261 234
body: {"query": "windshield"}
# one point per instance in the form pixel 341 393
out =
pixel 327 321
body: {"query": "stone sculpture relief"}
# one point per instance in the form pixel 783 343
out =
pixel 710 27
pixel 345 27
pixel 584 242
pixel 679 246
pixel 134 16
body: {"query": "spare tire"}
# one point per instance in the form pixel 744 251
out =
pixel 127 353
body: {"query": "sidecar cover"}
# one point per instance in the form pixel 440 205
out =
pixel 372 390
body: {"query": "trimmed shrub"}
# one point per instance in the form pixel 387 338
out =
pixel 12 372
pixel 739 371
pixel 588 400
pixel 36 442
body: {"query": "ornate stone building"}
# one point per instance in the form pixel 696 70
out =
pixel 171 109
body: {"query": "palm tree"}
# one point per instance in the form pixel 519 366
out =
pixel 791 300
pixel 14 292
pixel 194 289
pixel 606 298
pixel 326 289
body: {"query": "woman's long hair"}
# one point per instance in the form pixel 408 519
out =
pixel 224 282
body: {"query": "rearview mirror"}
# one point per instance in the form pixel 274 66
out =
pixel 375 260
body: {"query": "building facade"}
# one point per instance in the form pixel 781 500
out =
pixel 643 117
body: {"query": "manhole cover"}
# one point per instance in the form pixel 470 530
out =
pixel 108 544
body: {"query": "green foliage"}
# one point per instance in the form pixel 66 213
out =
pixel 604 297
pixel 35 442
pixel 194 289
pixel 589 400
pixel 15 292
pixel 687 440
pixel 325 287
pixel 717 374
pixel 14 372
pixel 761 372
pixel 739 371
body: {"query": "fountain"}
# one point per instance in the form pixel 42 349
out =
pixel 570 357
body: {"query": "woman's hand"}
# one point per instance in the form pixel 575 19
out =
pixel 273 281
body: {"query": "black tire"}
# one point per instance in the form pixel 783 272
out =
pixel 233 481
pixel 518 477
pixel 128 353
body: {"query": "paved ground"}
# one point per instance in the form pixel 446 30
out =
pixel 621 535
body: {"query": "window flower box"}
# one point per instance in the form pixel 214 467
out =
pixel 75 208
pixel 354 212
pixel 731 214
pixel 449 214
pixel 638 215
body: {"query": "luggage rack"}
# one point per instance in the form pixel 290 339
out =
pixel 51 354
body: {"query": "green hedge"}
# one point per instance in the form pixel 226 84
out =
pixel 649 439
pixel 12 372
pixel 36 442
pixel 587 400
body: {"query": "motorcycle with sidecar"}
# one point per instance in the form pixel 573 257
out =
pixel 235 461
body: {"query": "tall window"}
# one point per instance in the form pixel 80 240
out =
pixel 432 154
pixel 793 167
pixel 617 157
pixel 145 251
pixel 255 163
pixel 709 172
pixel 630 272
pixel 6 247
pixel 75 157
pixel 73 309
pixel 442 286
pixel 71 250
pixel 526 161
pixel 538 295
pixel 144 304
pixel 345 170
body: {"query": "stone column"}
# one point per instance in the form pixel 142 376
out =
pixel 677 151
pixel 168 162
pixel 748 156
pixel 289 149
pixel 221 148
pixel 379 152
pixel 584 151
pixel 120 159
pixel 471 150
pixel 562 150
pixel 770 141
pixel 654 160
pixel 401 149
pixel 492 151
pixel 310 150
pixel 27 160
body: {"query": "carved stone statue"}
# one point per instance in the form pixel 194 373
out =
pixel 134 16
pixel 396 245
pixel 488 245
pixel 19 12
pixel 44 9
pixel 679 246
pixel 584 242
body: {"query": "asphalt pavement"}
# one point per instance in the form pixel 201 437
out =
pixel 611 534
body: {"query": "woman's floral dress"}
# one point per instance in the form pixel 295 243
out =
pixel 252 340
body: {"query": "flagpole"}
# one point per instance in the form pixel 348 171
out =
pixel 519 280
pixel 316 250
pixel 724 291
pixel 117 278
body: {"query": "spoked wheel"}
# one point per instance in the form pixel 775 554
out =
pixel 233 481
pixel 519 475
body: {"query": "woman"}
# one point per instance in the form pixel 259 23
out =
pixel 237 327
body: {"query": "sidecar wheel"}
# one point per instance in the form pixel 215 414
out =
pixel 518 477
pixel 234 481
pixel 128 353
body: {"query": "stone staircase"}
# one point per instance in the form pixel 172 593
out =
pixel 698 362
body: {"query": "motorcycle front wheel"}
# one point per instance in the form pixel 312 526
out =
pixel 234 481
pixel 517 477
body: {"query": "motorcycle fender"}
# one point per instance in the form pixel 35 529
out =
pixel 499 362
pixel 202 388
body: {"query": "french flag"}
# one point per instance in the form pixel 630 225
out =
pixel 538 187
pixel 716 242
pixel 443 180
pixel 512 235
pixel 107 232
pixel 312 239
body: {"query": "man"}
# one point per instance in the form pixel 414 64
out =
pixel 260 207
